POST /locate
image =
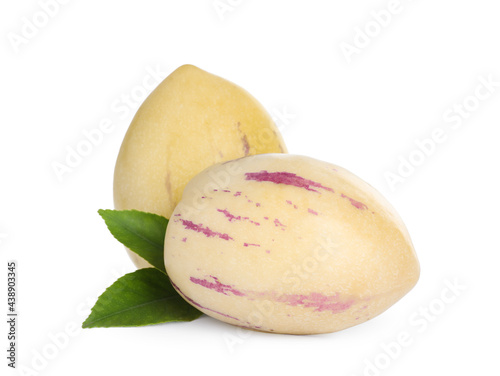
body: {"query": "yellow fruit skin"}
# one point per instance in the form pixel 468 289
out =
pixel 288 244
pixel 191 121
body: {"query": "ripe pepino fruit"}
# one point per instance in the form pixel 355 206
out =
pixel 191 121
pixel 288 244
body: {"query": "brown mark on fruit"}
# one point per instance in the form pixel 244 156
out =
pixel 244 140
pixel 279 144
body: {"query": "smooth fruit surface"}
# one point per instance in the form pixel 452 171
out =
pixel 191 121
pixel 288 244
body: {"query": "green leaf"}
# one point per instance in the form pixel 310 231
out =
pixel 143 297
pixel 143 233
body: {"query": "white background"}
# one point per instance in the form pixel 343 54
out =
pixel 365 114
